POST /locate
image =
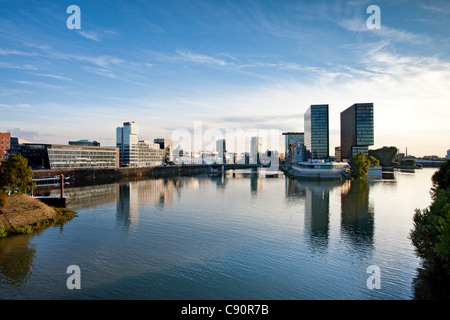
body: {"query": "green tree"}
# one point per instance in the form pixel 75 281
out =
pixel 442 248
pixel 375 161
pixel 16 174
pixel 431 232
pixel 359 166
pixel 386 155
pixel 441 178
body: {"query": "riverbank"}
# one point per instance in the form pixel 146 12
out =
pixel 115 174
pixel 100 175
pixel 24 214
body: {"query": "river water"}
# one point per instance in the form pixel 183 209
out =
pixel 245 235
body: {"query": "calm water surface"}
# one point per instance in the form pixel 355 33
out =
pixel 246 235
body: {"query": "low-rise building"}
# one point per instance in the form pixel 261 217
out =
pixel 5 145
pixel 292 141
pixel 150 154
pixel 56 156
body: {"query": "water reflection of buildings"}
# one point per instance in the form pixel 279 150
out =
pixel 88 196
pixel 256 177
pixel 357 215
pixel 132 195
pixel 127 208
pixel 316 196
pixel 317 212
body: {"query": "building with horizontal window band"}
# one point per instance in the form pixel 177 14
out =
pixel 357 130
pixel 54 156
pixel 317 139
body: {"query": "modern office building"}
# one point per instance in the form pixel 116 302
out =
pixel 255 148
pixel 54 156
pixel 291 142
pixel 141 153
pixel 317 132
pixel 5 145
pixel 357 131
pixel 167 145
pixel 150 154
pixel 127 142
pixel 448 155
pixel 221 150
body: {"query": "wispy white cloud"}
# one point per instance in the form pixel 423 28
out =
pixel 90 35
pixel 8 65
pixel 199 58
pixel 16 106
pixel 443 7
pixel 54 76
pixel 16 52
pixel 385 32
pixel 36 84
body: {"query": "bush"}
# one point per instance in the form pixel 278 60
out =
pixel 431 232
pixel 3 232
pixel 441 178
pixel 408 163
pixel 359 166
pixel 3 198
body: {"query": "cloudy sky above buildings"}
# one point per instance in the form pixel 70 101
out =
pixel 227 65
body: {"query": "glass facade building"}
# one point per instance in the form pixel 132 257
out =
pixel 357 130
pixel 291 142
pixel 54 156
pixel 317 132
pixel 75 157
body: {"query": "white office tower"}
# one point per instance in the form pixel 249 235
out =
pixel 127 142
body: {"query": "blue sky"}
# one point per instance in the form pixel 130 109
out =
pixel 238 65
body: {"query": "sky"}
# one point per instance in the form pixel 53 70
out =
pixel 242 66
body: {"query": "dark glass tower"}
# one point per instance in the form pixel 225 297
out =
pixel 317 132
pixel 356 130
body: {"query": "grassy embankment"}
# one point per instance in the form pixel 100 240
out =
pixel 24 214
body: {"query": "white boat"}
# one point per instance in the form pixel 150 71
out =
pixel 319 169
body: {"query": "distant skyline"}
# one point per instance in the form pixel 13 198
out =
pixel 227 64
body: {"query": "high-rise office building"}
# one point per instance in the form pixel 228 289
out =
pixel 127 142
pixel 357 132
pixel 255 148
pixel 317 132
pixel 221 149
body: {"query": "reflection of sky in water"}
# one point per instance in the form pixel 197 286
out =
pixel 243 235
